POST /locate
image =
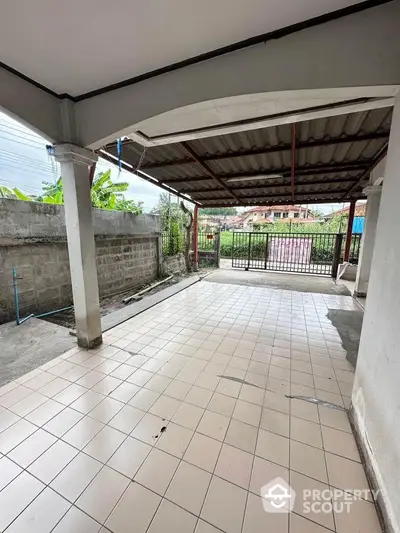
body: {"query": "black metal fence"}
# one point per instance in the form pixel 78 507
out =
pixel 354 248
pixel 172 243
pixel 308 253
pixel 311 253
pixel 206 241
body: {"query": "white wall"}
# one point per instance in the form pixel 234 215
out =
pixel 376 393
pixel 32 106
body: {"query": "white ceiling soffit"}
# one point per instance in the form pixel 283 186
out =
pixel 79 46
pixel 256 111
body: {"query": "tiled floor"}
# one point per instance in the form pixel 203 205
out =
pixel 145 435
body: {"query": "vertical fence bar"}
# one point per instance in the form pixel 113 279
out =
pixel 336 254
pixel 217 248
pixel 248 252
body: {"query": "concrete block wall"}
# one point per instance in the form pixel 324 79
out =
pixel 33 239
pixel 44 281
pixel 173 263
pixel 125 262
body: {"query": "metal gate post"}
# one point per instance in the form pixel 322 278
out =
pixel 248 253
pixel 217 248
pixel 336 254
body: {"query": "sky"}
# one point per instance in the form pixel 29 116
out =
pixel 24 163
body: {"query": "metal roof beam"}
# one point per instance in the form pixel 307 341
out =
pixel 207 169
pixel 283 202
pixel 293 159
pixel 337 181
pixel 277 195
pixel 309 170
pixel 378 157
pixel 300 145
pixel 154 181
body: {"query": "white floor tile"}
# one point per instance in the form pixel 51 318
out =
pixel 189 477
pixel 137 506
pixel 100 497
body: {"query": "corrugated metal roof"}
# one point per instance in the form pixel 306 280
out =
pixel 332 154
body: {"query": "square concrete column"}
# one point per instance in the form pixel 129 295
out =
pixel 376 391
pixel 75 163
pixel 368 239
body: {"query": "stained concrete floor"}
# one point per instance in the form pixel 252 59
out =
pixel 348 325
pixel 278 280
pixel 30 345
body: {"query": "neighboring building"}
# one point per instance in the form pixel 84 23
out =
pixel 219 222
pixel 359 211
pixel 271 214
pixel 359 216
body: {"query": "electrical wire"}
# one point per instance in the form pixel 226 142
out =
pixel 37 163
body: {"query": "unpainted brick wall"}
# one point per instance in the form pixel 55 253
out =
pixel 173 263
pixel 32 239
pixel 44 282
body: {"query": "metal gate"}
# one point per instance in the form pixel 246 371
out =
pixel 308 253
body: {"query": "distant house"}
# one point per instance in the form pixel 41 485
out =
pixel 271 214
pixel 359 216
pixel 218 222
pixel 359 211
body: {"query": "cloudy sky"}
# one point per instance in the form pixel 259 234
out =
pixel 24 163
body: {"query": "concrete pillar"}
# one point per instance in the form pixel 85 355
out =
pixel 75 162
pixel 368 239
pixel 376 393
pixel 196 239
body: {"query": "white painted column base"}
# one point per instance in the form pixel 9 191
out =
pixel 75 163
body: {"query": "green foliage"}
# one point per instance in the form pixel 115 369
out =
pixel 169 212
pixel 52 193
pixel 5 192
pixel 13 194
pixel 104 194
pixel 218 211
pixel 173 241
pixel 21 196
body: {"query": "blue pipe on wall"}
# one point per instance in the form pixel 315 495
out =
pixel 20 320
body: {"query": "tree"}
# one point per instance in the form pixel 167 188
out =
pixel 218 211
pixel 169 212
pixel 189 229
pixel 104 194
pixel 317 213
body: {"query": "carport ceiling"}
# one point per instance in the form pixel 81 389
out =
pixel 315 161
pixel 78 48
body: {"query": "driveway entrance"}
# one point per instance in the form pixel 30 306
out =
pixel 307 253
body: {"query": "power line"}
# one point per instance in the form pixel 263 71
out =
pixel 37 147
pixel 34 164
pixel 21 168
pixel 23 129
pixel 24 159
